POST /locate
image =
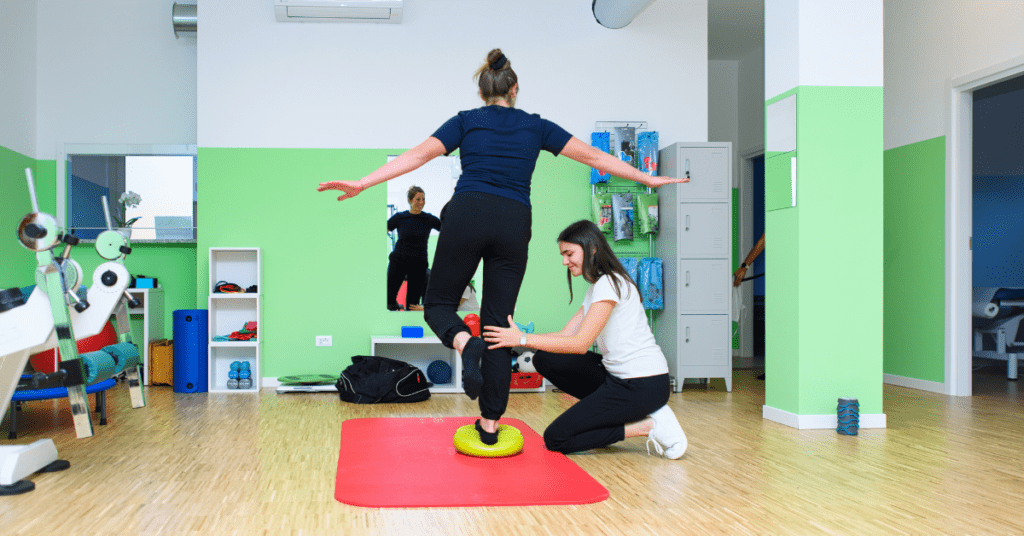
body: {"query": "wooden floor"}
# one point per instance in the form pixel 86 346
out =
pixel 243 464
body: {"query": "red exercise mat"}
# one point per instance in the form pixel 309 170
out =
pixel 412 463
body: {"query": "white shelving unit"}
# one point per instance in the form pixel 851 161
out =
pixel 230 312
pixel 421 352
pixel 151 307
pixel 695 240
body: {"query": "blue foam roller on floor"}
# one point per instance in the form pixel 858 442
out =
pixel 125 353
pixel 98 365
pixel 190 350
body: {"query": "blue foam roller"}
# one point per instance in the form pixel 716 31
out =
pixel 190 350
pixel 244 374
pixel 125 354
pixel 99 365
pixel 244 365
pixel 236 365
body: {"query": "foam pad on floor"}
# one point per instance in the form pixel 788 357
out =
pixel 412 463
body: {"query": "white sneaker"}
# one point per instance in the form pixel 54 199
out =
pixel 668 436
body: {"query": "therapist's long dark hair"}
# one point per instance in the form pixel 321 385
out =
pixel 598 258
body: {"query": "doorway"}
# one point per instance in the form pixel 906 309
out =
pixel 751 292
pixel 997 231
pixel 959 220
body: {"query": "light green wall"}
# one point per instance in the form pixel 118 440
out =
pixel 915 258
pixel 323 264
pixel 824 330
pixel 16 262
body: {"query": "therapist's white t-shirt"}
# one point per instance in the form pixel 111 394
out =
pixel 626 343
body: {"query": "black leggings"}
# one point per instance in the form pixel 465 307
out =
pixel 474 227
pixel 401 267
pixel 606 403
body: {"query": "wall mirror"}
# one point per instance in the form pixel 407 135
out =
pixel 163 177
pixel 437 179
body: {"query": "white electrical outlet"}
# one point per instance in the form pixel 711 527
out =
pixel 323 340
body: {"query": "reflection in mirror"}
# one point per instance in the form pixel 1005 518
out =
pixel 164 182
pixel 414 204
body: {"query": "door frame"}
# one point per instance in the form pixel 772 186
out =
pixel 746 242
pixel 959 218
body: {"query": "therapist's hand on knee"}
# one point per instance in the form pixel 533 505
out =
pixel 500 337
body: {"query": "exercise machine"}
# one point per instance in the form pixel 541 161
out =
pixel 55 316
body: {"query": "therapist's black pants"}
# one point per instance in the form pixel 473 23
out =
pixel 474 227
pixel 606 403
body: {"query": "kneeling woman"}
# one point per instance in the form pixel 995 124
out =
pixel 622 391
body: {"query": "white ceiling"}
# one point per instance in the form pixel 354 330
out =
pixel 735 27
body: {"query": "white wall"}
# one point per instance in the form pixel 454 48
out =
pixel 723 100
pixel 723 106
pixel 18 76
pixel 751 102
pixel 930 42
pixel 111 71
pixel 268 84
pixel 803 48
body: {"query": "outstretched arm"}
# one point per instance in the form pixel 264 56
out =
pixel 595 158
pixel 737 276
pixel 577 342
pixel 406 162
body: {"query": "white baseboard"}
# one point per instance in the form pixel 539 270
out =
pixel 914 383
pixel 271 382
pixel 819 422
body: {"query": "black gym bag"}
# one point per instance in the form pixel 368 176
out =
pixel 382 380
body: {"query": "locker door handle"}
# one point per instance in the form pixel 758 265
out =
pixel 687 168
pixel 687 333
pixel 687 222
pixel 687 278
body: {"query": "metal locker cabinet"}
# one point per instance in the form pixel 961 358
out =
pixel 704 230
pixel 704 347
pixel 704 286
pixel 695 241
pixel 709 165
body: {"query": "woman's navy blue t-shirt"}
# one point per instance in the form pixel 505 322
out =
pixel 413 232
pixel 499 149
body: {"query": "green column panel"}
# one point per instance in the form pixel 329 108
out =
pixel 824 298
pixel 778 180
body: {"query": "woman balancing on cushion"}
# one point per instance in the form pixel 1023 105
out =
pixel 622 391
pixel 488 219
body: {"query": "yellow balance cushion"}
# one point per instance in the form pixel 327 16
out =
pixel 510 442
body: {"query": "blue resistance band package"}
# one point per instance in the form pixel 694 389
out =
pixel 651 287
pixel 601 140
pixel 647 149
pixel 631 264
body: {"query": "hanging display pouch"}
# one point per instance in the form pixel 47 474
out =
pixel 622 216
pixel 647 212
pixel 601 211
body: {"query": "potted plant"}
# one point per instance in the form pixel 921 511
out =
pixel 127 199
